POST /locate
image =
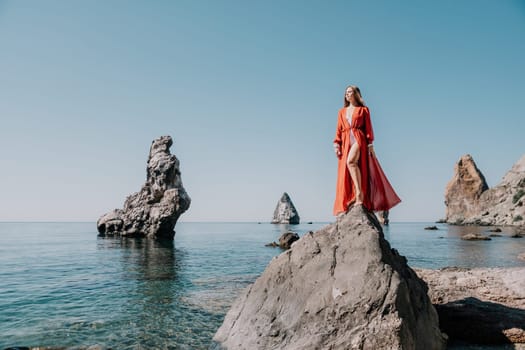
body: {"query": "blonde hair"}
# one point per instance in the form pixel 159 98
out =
pixel 357 95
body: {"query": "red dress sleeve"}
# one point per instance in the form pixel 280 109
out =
pixel 338 130
pixel 369 132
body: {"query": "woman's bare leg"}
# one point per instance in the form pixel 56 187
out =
pixel 355 173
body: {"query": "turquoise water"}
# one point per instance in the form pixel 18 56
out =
pixel 61 285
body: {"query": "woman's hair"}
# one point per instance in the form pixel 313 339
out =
pixel 357 95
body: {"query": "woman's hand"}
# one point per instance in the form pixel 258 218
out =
pixel 371 150
pixel 337 150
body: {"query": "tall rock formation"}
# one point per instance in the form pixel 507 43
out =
pixel 285 212
pixel 470 201
pixel 154 211
pixel 341 287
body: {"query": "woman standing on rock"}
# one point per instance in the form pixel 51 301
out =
pixel 360 179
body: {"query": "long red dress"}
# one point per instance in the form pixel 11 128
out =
pixel 378 194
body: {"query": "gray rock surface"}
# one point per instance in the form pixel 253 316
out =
pixel 341 287
pixel 154 211
pixel 482 305
pixel 285 212
pixel 470 202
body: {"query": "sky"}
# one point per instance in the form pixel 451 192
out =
pixel 249 92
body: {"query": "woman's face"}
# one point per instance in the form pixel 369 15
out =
pixel 349 95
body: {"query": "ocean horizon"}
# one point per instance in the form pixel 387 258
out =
pixel 64 286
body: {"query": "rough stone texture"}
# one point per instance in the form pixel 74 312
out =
pixel 469 201
pixel 285 212
pixel 154 211
pixel 484 306
pixel 341 287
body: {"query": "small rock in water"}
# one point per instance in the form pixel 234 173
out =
pixel 286 240
pixel 431 228
pixel 495 230
pixel 494 235
pixel 516 235
pixel 521 256
pixel 475 237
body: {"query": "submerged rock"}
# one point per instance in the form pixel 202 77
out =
pixel 475 237
pixel 432 228
pixel 154 211
pixel 469 201
pixel 285 212
pixel 341 287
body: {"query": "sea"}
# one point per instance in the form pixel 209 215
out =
pixel 63 286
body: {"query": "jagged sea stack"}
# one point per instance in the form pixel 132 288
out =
pixel 463 190
pixel 285 212
pixel 154 211
pixel 341 287
pixel 470 201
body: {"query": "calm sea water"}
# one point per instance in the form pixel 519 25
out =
pixel 61 285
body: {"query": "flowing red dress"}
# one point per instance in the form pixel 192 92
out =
pixel 378 194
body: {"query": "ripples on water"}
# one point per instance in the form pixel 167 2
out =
pixel 60 285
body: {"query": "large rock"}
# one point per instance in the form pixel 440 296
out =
pixel 482 305
pixel 341 287
pixel 285 212
pixel 463 191
pixel 470 201
pixel 154 211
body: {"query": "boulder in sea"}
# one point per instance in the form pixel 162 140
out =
pixel 285 241
pixel 342 287
pixel 285 212
pixel 154 211
pixel 469 201
pixel 475 237
pixel 432 228
pixel 287 238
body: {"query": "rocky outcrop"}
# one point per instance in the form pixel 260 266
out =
pixel 470 201
pixel 154 211
pixel 482 306
pixel 341 287
pixel 285 212
pixel 463 191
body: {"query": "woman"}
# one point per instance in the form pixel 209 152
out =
pixel 360 179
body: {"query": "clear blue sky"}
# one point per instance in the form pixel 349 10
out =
pixel 250 91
